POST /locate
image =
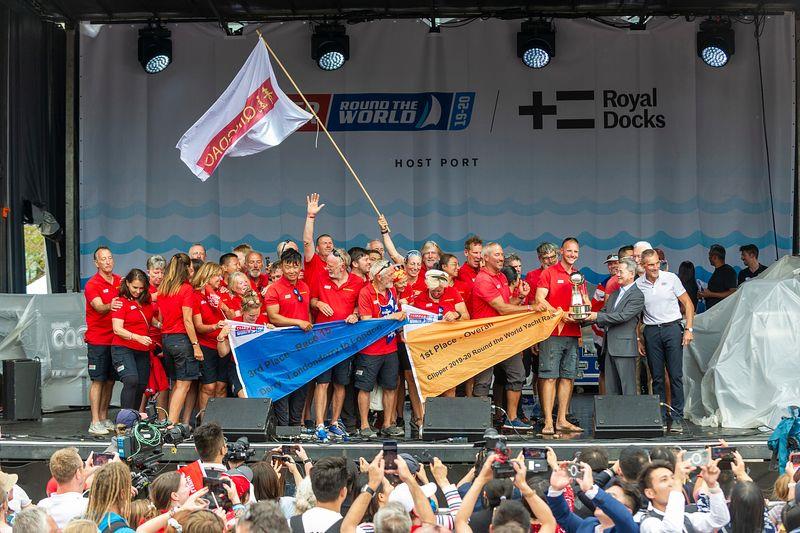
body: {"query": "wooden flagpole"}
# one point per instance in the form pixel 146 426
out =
pixel 319 122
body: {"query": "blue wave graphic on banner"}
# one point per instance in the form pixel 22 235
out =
pixel 273 364
pixel 437 207
pixel 660 239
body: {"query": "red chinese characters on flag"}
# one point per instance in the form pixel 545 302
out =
pixel 251 115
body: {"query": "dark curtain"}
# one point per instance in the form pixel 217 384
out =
pixel 34 123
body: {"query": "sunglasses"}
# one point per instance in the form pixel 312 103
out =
pixel 412 253
pixel 384 267
pixel 297 293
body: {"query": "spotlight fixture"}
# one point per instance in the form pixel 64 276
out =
pixel 536 43
pixel 716 42
pixel 155 48
pixel 330 46
pixel 234 29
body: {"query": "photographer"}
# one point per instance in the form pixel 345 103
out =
pixel 70 473
pixel 614 509
pixel 539 507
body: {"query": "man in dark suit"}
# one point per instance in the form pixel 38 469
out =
pixel 619 317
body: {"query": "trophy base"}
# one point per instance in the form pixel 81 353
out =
pixel 580 312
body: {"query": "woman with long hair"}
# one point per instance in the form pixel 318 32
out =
pixel 238 288
pixel 747 508
pixel 208 320
pixel 110 498
pixel 132 344
pixel 686 274
pixel 181 347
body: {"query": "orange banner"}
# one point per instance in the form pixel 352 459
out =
pixel 446 354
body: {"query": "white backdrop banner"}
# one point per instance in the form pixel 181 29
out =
pixel 626 135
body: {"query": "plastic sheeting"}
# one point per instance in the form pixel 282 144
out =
pixel 49 328
pixel 741 371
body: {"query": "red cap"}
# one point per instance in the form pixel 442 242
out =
pixel 241 484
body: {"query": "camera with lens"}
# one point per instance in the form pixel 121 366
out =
pixel 239 451
pixel 176 434
pixel 497 444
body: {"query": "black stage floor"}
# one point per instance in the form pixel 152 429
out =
pixel 35 441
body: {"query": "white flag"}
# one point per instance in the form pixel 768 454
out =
pixel 253 114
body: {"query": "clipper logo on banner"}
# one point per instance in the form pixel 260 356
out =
pixel 620 110
pixel 391 111
pixel 241 331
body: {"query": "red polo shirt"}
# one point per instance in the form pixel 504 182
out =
pixel 447 302
pixel 467 274
pixel 487 287
pixel 171 308
pixel 413 290
pixel 559 294
pixel 343 300
pixel 282 293
pixel 207 306
pixel 98 325
pixel 532 279
pixel 464 290
pixel 259 283
pixel 314 269
pixel 611 285
pixel 371 304
pixel 136 319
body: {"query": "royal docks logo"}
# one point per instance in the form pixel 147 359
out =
pixel 391 111
pixel 617 110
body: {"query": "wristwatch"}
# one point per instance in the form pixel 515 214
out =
pixel 368 489
pixel 690 330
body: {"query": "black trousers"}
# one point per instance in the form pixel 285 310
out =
pixel 663 344
pixel 288 410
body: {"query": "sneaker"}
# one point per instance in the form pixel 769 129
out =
pixel 393 431
pixel 676 427
pixel 98 428
pixel 108 424
pixel 338 430
pixel 516 424
pixel 321 433
pixel 367 433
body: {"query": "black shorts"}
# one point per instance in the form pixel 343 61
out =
pixel 179 358
pixel 100 367
pixel 213 368
pixel 372 369
pixel 339 374
pixel 129 362
pixel 403 358
pixel 233 375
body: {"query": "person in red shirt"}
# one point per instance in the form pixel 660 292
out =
pixel 287 302
pixel 251 314
pixel 360 262
pixel 449 264
pixel 230 264
pixel 102 297
pixel 491 296
pixel 598 299
pixel 377 363
pixel 254 265
pixel 548 256
pixel 558 355
pixel 197 251
pixel 444 300
pixel 314 256
pixel 158 382
pixel 335 298
pixel 412 261
pixel 182 351
pixel 473 253
pixel 130 350
pixel 231 300
pixel 431 255
pixel 208 319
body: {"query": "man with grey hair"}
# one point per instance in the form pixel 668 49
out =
pixel 619 318
pixel 376 245
pixel 547 252
pixel 664 334
pixel 638 248
pixel 378 363
pixel 197 251
pixel 34 520
pixel 263 517
pixel 155 271
pixel 392 518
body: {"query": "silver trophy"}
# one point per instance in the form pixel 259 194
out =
pixel 578 309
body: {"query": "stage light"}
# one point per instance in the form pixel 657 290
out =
pixel 536 43
pixel 155 49
pixel 716 42
pixel 330 46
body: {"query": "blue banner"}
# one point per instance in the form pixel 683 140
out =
pixel 275 362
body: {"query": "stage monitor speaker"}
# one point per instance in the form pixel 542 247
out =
pixel 456 417
pixel 617 417
pixel 240 417
pixel 22 389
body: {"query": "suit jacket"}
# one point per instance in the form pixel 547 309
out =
pixel 620 322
